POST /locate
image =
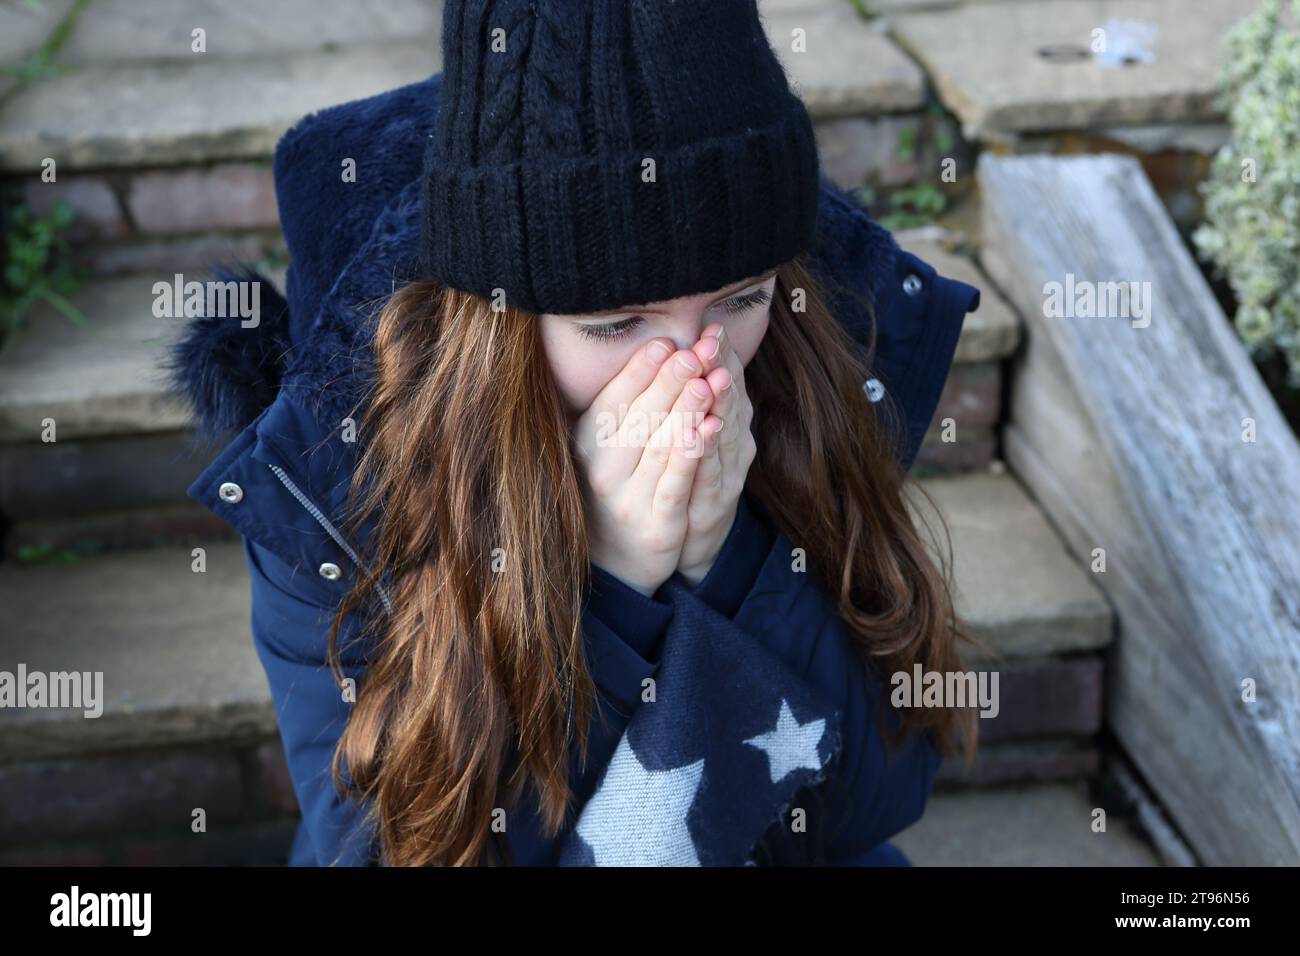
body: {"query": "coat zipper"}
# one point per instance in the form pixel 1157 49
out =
pixel 328 526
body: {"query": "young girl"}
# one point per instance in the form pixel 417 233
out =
pixel 574 518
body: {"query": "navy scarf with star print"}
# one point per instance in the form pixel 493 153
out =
pixel 722 767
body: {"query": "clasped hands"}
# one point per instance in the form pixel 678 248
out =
pixel 665 448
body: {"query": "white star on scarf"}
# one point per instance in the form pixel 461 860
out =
pixel 790 745
pixel 638 816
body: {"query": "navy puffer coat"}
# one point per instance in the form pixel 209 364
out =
pixel 763 708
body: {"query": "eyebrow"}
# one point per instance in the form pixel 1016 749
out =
pixel 744 283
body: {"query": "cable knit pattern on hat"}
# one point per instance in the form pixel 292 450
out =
pixel 611 152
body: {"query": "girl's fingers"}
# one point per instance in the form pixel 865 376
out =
pixel 706 492
pixel 673 490
pixel 716 351
pixel 688 410
pixel 724 393
pixel 736 440
pixel 732 403
pixel 710 349
pixel 610 407
pixel 651 409
pixel 735 367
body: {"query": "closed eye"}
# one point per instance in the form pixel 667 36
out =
pixel 743 303
pixel 614 330
pixel 736 305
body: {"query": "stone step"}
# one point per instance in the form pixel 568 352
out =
pixel 105 532
pixel 1028 87
pixel 134 93
pixel 127 31
pixel 1031 825
pixel 972 396
pixel 1015 585
pixel 67 478
pixel 1026 761
pixel 173 646
pixel 837 62
pixel 180 112
pixel 179 667
pixel 976 450
pixel 963 433
pixel 102 380
pixel 102 494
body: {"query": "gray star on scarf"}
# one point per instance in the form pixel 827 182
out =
pixel 790 745
pixel 638 817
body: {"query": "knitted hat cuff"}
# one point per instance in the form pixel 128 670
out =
pixel 586 234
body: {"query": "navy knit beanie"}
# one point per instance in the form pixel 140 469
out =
pixel 591 154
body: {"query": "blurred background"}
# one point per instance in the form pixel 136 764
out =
pixel 162 139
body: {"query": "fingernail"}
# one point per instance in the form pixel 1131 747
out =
pixel 686 368
pixel 701 388
pixel 658 351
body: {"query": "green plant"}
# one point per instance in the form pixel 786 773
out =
pixel 913 206
pixel 944 139
pixel 37 268
pixel 905 146
pixel 46 554
pixel 1252 228
pixel 40 65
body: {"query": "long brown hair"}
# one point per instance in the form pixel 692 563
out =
pixel 468 475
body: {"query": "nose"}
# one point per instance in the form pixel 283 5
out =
pixel 688 319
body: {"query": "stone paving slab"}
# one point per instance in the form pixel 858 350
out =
pixel 153 114
pixel 985 62
pixel 23 30
pixel 174 647
pixel 847 67
pixel 100 380
pixel 1033 825
pixel 68 479
pixel 1022 762
pixel 132 31
pixel 1015 585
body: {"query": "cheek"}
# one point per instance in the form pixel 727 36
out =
pixel 581 369
pixel 747 334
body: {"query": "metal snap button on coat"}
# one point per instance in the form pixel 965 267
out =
pixel 330 571
pixel 912 284
pixel 874 388
pixel 230 492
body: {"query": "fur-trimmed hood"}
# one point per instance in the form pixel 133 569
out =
pixel 227 373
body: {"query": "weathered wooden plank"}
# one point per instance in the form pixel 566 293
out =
pixel 1128 427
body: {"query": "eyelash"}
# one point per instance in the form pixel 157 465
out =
pixel 615 330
